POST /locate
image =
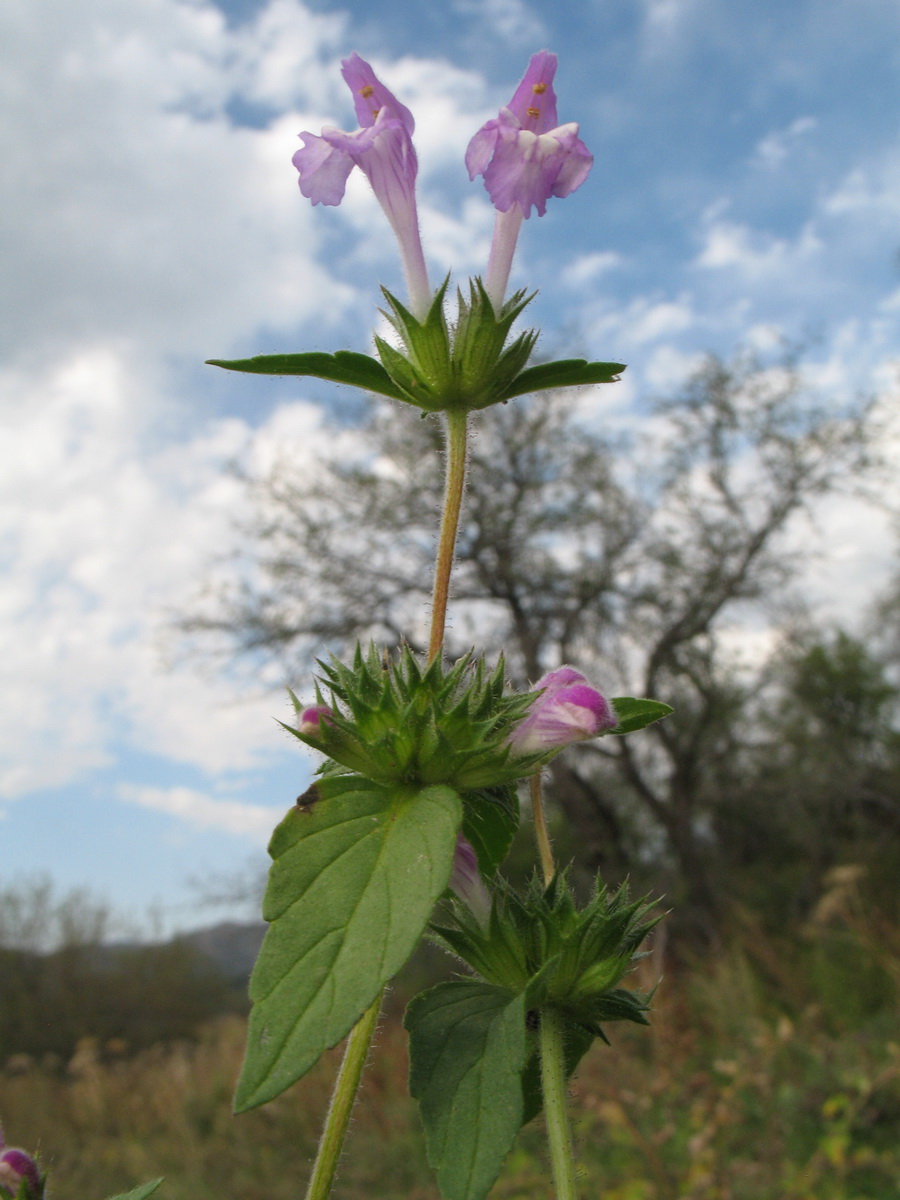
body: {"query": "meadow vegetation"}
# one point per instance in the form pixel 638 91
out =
pixel 772 1073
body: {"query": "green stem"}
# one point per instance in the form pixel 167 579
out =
pixel 342 1100
pixel 360 1039
pixel 541 834
pixel 553 1082
pixel 453 494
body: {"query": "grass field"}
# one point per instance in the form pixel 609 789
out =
pixel 747 1087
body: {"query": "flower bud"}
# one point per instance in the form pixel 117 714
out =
pixel 311 718
pixel 16 1166
pixel 566 709
pixel 466 881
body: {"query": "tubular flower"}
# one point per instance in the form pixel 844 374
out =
pixel 523 154
pixel 382 149
pixel 566 709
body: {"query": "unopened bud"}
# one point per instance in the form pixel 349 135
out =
pixel 567 709
pixel 310 719
pixel 466 881
pixel 16 1166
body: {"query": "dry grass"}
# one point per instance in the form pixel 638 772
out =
pixel 724 1098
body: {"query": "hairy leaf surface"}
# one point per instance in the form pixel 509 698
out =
pixel 344 366
pixel 634 714
pixel 353 882
pixel 467 1052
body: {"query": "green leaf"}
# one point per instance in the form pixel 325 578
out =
pixel 344 366
pixel 566 372
pixel 490 821
pixel 352 885
pixel 140 1192
pixel 578 1041
pixel 468 1047
pixel 635 714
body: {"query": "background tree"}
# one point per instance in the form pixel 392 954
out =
pixel 636 556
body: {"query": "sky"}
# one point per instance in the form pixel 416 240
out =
pixel 746 188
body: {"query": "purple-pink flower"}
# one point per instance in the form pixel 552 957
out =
pixel 16 1165
pixel 310 719
pixel 466 881
pixel 524 155
pixel 567 709
pixel 382 149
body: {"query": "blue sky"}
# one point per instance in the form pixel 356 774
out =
pixel 746 187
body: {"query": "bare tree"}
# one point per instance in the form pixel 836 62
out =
pixel 627 555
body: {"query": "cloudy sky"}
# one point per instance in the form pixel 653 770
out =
pixel 746 185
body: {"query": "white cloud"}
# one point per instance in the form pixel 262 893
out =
pixel 645 320
pixel 130 207
pixel 870 192
pixel 512 20
pixel 587 268
pixel 253 822
pixel 665 24
pixel 103 536
pixel 775 147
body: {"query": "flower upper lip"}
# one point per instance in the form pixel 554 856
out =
pixel 523 153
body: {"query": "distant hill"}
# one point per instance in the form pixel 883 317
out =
pixel 231 945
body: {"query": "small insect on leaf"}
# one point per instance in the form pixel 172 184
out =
pixel 309 798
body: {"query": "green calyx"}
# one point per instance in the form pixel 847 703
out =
pixel 541 945
pixel 440 367
pixel 402 723
pixel 456 370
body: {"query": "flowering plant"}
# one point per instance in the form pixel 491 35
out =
pixel 417 796
pixel 416 802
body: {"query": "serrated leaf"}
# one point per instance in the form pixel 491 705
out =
pixel 467 1051
pixel 140 1192
pixel 344 366
pixel 350 890
pixel 635 714
pixel 490 821
pixel 577 1042
pixel 566 372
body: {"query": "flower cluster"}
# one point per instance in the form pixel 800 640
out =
pixel 400 722
pixel 542 944
pixel 523 155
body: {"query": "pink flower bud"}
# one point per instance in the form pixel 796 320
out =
pixel 466 881
pixel 16 1165
pixel 567 709
pixel 311 719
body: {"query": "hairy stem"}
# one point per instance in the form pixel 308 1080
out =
pixel 453 494
pixel 342 1100
pixel 541 835
pixel 360 1039
pixel 553 1083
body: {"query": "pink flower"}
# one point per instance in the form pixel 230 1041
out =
pixel 567 709
pixel 523 154
pixel 466 881
pixel 16 1165
pixel 525 158
pixel 382 149
pixel 311 719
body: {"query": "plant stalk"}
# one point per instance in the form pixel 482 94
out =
pixel 342 1100
pixel 541 834
pixel 360 1039
pixel 453 494
pixel 553 1083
